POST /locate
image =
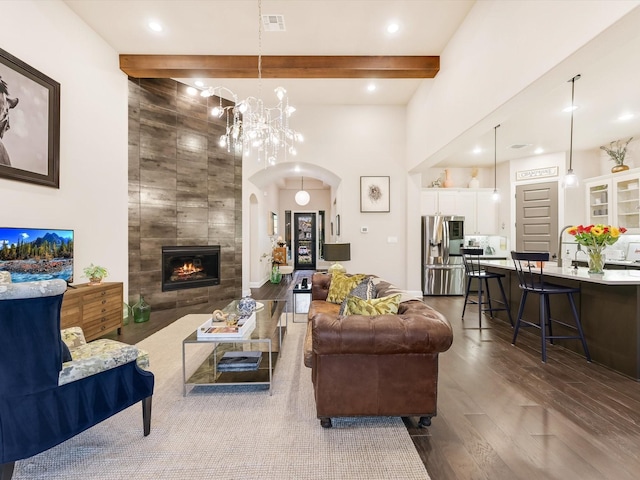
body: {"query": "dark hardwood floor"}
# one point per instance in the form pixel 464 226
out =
pixel 502 413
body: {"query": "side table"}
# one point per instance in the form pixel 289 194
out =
pixel 299 290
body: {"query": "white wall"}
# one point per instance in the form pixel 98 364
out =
pixel 92 199
pixel 501 48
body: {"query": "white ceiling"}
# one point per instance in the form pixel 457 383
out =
pixel 608 87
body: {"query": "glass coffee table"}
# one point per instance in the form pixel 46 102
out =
pixel 272 320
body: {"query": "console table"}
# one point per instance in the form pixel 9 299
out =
pixel 97 309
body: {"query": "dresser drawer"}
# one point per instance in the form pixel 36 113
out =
pixel 99 307
pixel 100 293
pixel 101 325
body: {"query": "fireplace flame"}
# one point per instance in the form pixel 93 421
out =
pixel 187 269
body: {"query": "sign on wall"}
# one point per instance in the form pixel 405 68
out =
pixel 537 173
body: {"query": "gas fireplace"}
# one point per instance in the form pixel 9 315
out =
pixel 190 267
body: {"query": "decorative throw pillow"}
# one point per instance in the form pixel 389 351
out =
pixel 365 290
pixel 374 306
pixel 341 285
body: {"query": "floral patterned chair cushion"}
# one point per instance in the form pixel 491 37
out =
pixel 96 356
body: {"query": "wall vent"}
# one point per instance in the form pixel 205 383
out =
pixel 273 23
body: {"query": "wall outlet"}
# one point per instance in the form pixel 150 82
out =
pixel 364 229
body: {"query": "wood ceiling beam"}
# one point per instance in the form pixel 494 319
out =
pixel 246 66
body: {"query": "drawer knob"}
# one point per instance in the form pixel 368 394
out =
pixel 104 301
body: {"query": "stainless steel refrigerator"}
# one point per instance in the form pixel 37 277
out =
pixel 442 267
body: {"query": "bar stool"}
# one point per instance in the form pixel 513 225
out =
pixel 471 259
pixel 532 281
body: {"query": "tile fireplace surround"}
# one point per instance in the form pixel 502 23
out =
pixel 183 190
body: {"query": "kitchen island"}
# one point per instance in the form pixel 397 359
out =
pixel 608 304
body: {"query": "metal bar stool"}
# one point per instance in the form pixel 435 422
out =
pixel 531 280
pixel 471 259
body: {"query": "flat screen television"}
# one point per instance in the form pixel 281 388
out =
pixel 31 254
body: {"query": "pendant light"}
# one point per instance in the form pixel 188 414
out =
pixel 496 194
pixel 570 179
pixel 302 196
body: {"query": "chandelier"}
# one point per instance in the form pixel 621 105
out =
pixel 251 125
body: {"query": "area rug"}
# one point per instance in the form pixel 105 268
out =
pixel 238 432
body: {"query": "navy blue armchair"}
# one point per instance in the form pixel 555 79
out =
pixel 39 406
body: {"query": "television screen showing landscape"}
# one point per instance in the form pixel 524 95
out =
pixel 31 254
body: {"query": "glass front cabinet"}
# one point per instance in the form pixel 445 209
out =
pixel 627 201
pixel 615 199
pixel 598 195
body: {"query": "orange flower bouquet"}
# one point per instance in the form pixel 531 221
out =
pixel 596 238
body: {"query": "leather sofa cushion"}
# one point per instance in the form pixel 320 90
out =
pixel 320 306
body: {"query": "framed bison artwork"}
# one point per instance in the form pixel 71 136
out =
pixel 29 123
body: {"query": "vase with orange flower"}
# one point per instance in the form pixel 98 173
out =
pixel 596 238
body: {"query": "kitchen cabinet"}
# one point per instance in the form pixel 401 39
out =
pixel 598 195
pixel 477 207
pixel 615 199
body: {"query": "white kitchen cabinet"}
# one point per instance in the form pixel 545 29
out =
pixel 598 201
pixel 627 201
pixel 475 205
pixel 614 200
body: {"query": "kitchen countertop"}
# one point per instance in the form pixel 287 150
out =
pixel 610 277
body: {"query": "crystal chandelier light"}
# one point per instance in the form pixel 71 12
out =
pixel 251 125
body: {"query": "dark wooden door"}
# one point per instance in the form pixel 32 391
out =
pixel 304 253
pixel 537 217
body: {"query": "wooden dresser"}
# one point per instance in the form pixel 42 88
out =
pixel 95 308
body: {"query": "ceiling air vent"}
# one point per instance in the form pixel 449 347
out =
pixel 273 23
pixel 517 146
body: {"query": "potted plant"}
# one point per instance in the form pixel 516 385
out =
pixel 617 152
pixel 95 274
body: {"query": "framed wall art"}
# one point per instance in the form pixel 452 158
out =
pixel 337 225
pixel 29 123
pixel 374 194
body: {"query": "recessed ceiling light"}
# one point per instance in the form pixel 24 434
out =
pixel 393 27
pixel 155 26
pixel 625 117
pixel 538 151
pixel 371 87
pixel 477 150
pixel 199 83
pixel 570 108
pixel 192 90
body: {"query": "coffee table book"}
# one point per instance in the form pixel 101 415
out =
pixel 238 361
pixel 211 330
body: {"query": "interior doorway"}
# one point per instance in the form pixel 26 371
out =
pixel 304 235
pixel 537 218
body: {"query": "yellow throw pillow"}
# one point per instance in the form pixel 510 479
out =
pixel 341 285
pixel 375 306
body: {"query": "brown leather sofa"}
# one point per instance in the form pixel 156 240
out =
pixel 384 365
